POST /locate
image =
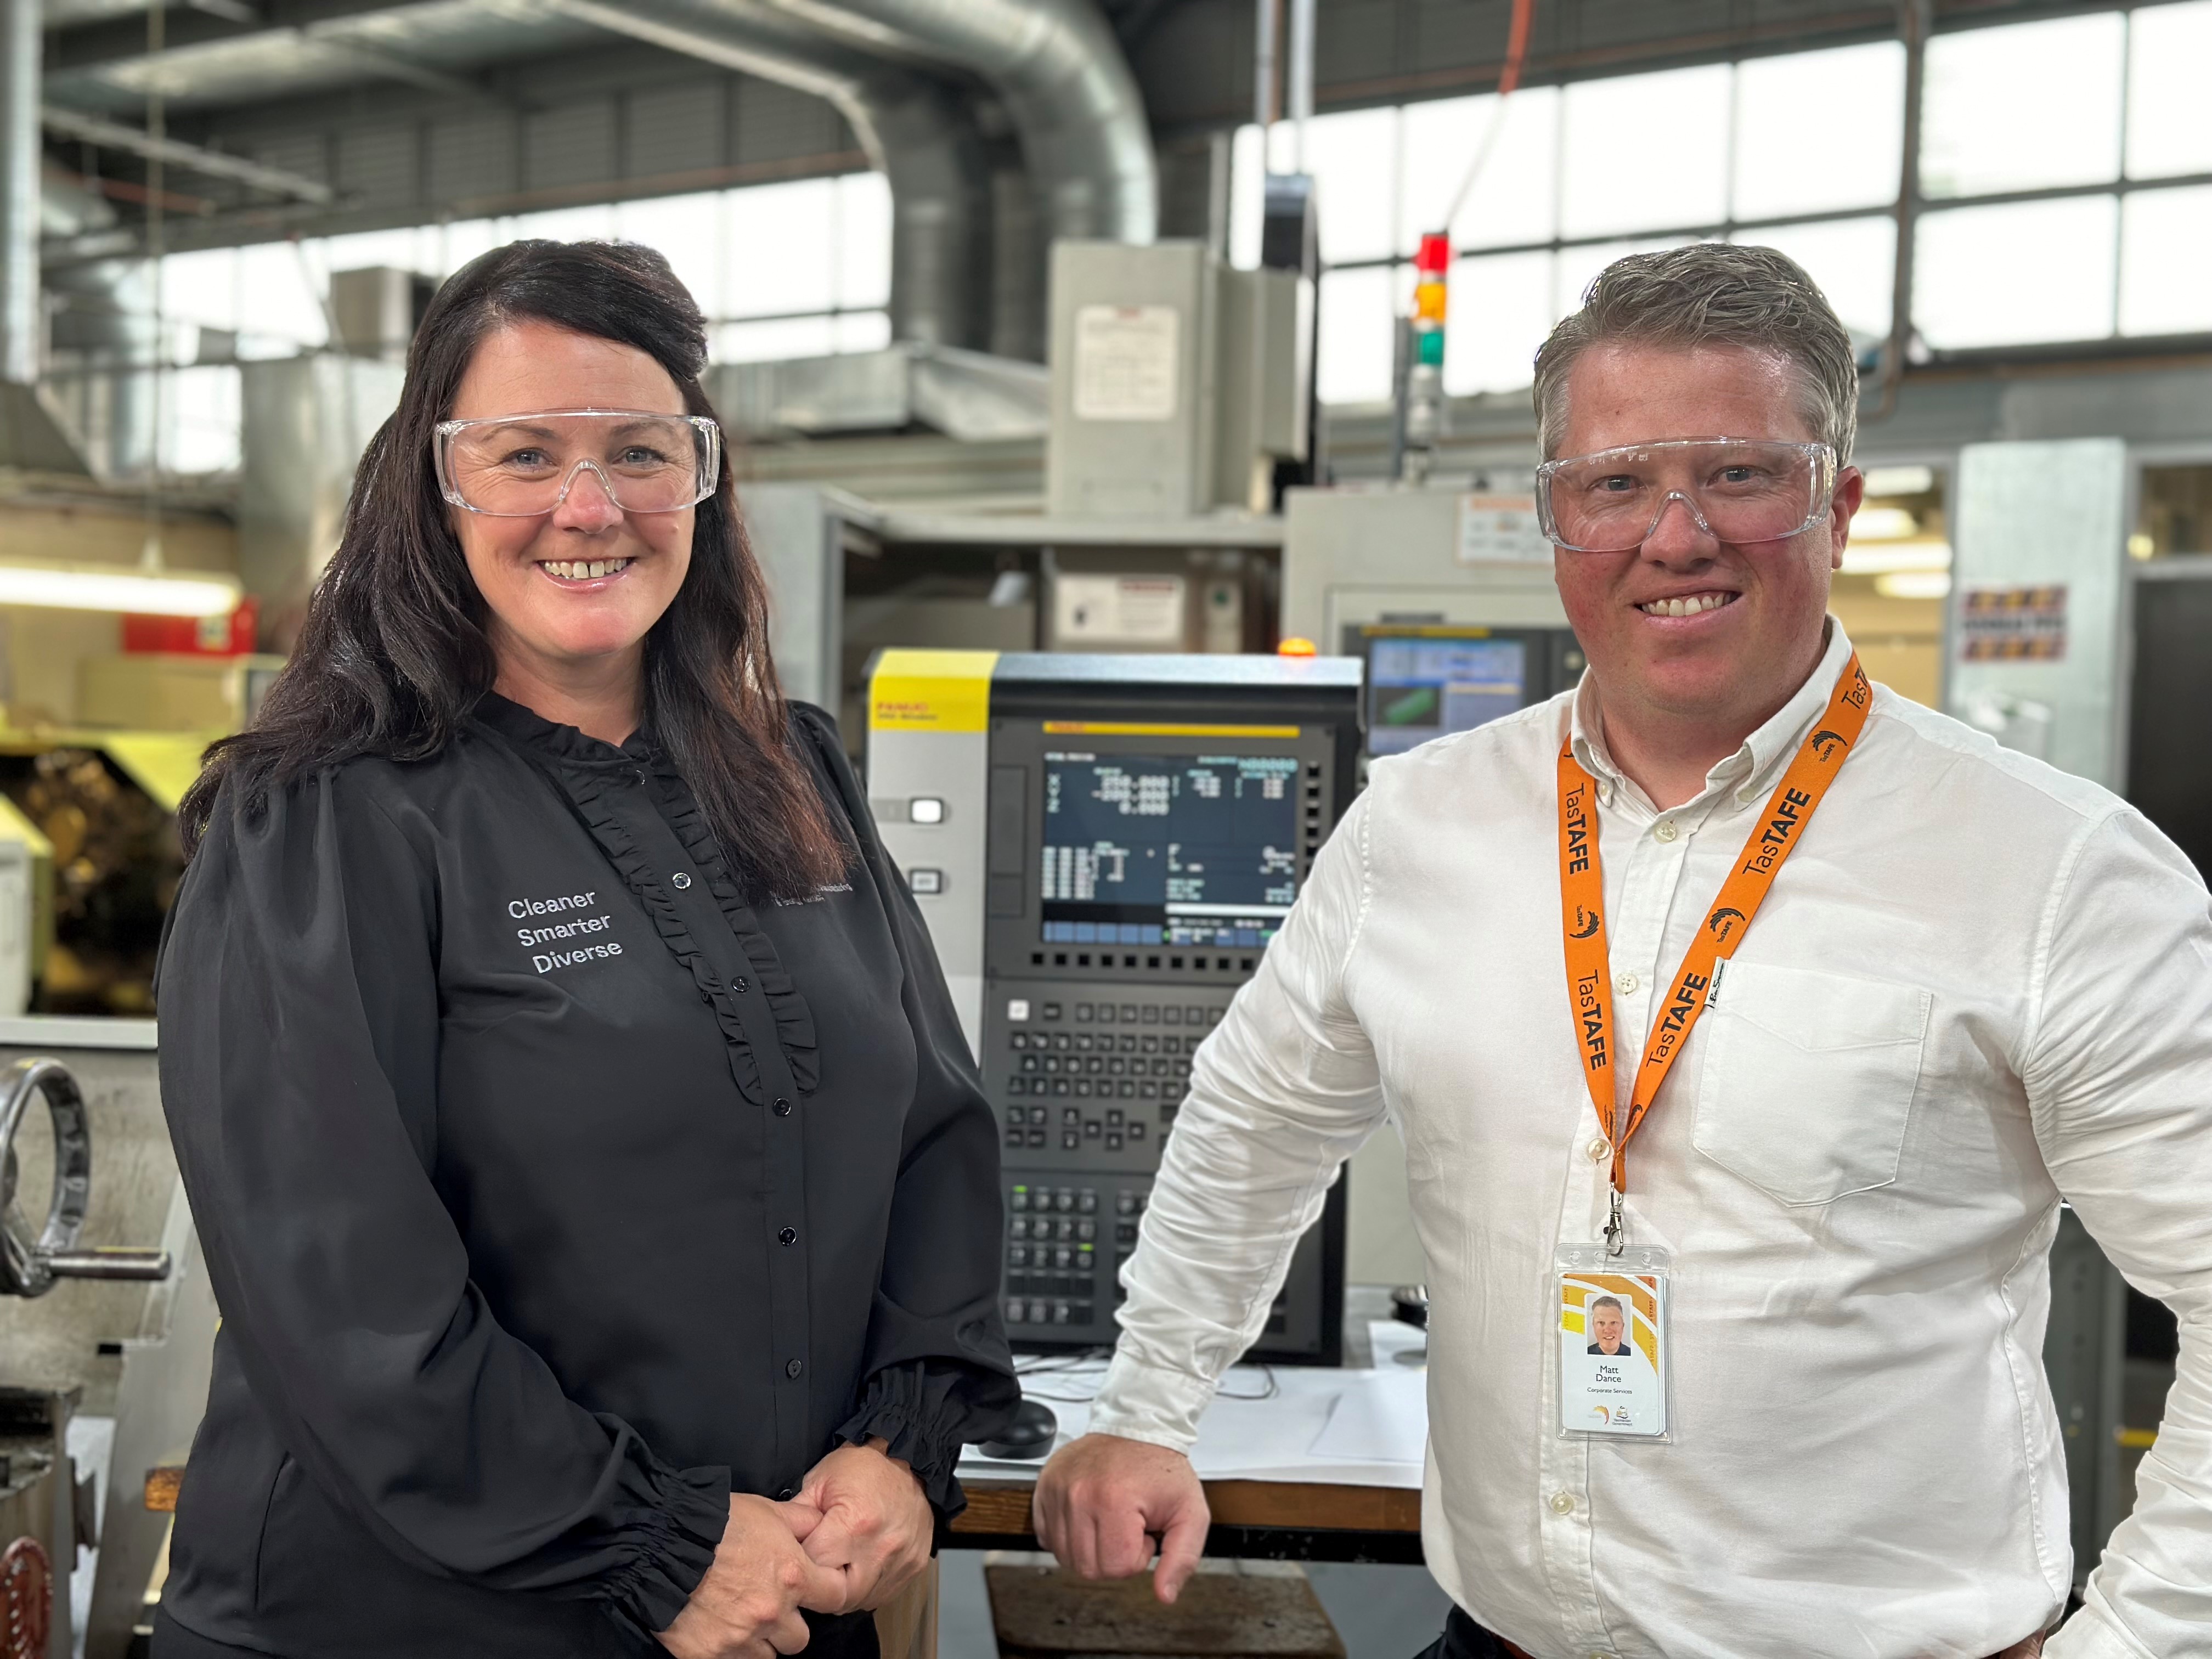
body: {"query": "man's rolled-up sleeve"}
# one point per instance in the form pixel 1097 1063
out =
pixel 2118 1072
pixel 1283 1090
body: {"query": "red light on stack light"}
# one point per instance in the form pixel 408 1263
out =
pixel 1433 258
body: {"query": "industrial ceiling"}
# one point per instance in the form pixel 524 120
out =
pixel 360 114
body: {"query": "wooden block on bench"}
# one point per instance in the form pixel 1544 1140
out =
pixel 1043 1612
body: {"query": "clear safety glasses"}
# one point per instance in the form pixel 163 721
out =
pixel 1738 489
pixel 517 466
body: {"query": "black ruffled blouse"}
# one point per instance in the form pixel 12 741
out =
pixel 551 1191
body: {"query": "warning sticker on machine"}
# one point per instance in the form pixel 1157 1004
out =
pixel 1501 530
pixel 1125 362
pixel 2013 624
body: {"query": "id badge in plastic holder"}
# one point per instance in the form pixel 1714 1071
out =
pixel 1610 1317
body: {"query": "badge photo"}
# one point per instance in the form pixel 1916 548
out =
pixel 1612 1332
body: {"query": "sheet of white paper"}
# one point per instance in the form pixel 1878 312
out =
pixel 1381 1417
pixel 1391 1338
pixel 1250 1432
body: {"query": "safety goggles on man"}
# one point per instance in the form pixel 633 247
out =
pixel 517 466
pixel 1737 489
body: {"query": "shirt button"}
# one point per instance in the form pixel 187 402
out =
pixel 1665 830
pixel 1563 1503
pixel 794 1367
pixel 1626 984
pixel 782 1107
pixel 679 880
pixel 1599 1150
pixel 786 1494
pixel 788 1236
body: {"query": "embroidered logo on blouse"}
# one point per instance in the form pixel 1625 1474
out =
pixel 549 943
pixel 817 895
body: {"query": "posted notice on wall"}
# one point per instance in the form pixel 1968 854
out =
pixel 2013 624
pixel 1501 530
pixel 1125 363
pixel 1095 611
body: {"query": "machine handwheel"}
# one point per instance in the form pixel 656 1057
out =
pixel 26 1261
pixel 26 1600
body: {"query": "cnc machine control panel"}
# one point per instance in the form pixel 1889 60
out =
pixel 1145 842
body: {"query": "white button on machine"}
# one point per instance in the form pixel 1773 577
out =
pixel 925 808
pixel 1626 984
pixel 1018 1008
pixel 925 881
pixel 1563 1503
pixel 1599 1150
pixel 1664 829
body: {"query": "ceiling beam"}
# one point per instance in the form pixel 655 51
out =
pixel 213 163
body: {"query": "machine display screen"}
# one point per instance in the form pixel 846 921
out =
pixel 1422 686
pixel 1194 850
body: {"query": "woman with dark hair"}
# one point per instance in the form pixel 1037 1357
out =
pixel 595 1183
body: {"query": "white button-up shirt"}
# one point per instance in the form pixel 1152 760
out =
pixel 1978 986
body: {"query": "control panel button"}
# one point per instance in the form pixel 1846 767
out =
pixel 925 808
pixel 1018 1008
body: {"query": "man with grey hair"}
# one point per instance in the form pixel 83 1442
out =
pixel 1867 993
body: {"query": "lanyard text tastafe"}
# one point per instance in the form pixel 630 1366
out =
pixel 1582 914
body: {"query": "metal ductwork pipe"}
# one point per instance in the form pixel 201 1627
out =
pixel 106 321
pixel 911 126
pixel 1065 84
pixel 20 44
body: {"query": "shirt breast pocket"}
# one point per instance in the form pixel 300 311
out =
pixel 1808 1079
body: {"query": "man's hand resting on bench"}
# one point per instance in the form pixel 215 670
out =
pixel 1103 1501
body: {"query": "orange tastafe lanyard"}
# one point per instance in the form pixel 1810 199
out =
pixel 1582 914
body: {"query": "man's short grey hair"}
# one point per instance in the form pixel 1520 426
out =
pixel 1712 294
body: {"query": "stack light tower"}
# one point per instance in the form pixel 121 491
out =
pixel 1425 367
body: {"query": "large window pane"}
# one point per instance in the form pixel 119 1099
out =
pixel 1578 267
pixel 2168 132
pixel 285 314
pixel 414 248
pixel 1501 310
pixel 1515 196
pixel 2016 274
pixel 1853 260
pixel 864 240
pixel 1247 163
pixel 2022 106
pixel 861 330
pixel 201 288
pixel 2165 249
pixel 466 239
pixel 781 250
pixel 785 336
pixel 1646 151
pixel 682 229
pixel 1353 158
pixel 1357 323
pixel 201 415
pixel 577 224
pixel 1789 112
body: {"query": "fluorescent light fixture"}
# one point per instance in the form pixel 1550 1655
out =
pixel 142 592
pixel 1884 556
pixel 1884 524
pixel 1899 480
pixel 1913 584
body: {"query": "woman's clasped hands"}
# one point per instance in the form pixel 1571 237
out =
pixel 856 1533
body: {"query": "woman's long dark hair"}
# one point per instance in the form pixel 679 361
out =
pixel 393 652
